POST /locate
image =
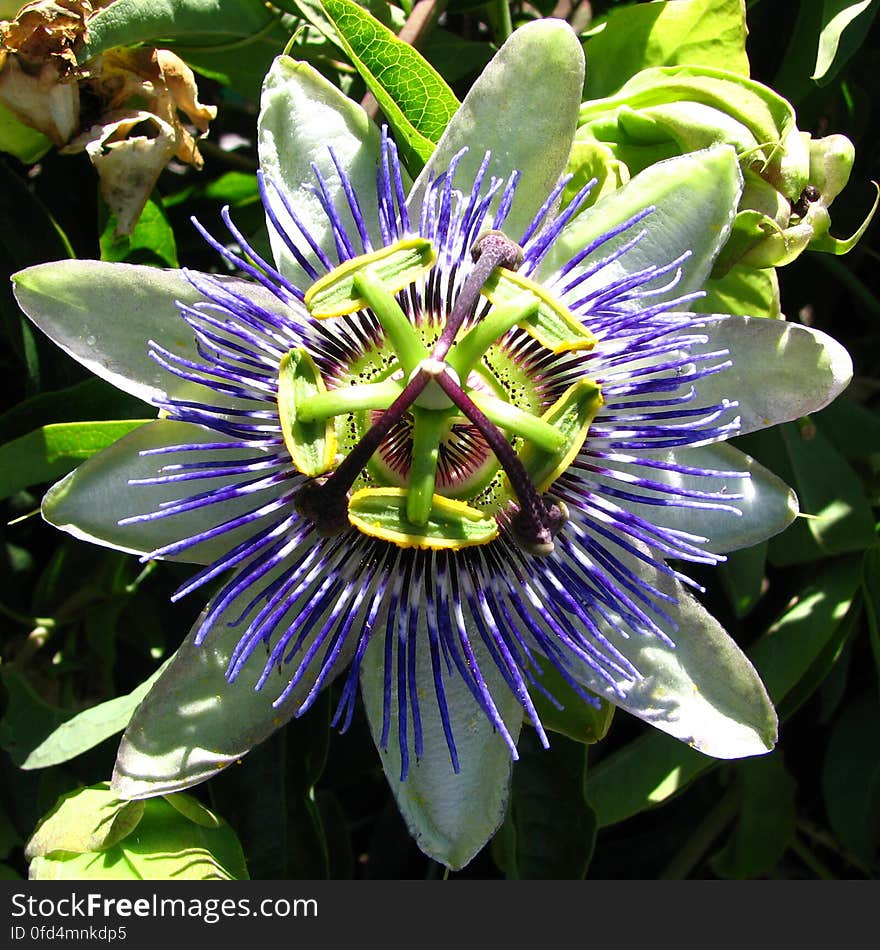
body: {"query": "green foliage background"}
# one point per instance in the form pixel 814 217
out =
pixel 81 626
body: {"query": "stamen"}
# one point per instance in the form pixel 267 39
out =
pixel 536 523
pixel 493 249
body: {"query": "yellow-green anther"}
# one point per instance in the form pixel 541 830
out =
pixel 505 415
pixel 312 445
pixel 571 414
pixel 335 402
pixel 403 336
pixel 469 350
pixel 428 428
pixel 395 267
pixel 552 325
pixel 451 525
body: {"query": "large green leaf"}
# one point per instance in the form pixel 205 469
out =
pixel 766 820
pixel 127 22
pixel 550 830
pixel 845 24
pixel 838 516
pixel 413 96
pixel 851 777
pixel 88 728
pixel 92 834
pixel 697 33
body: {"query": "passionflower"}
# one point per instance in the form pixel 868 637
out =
pixel 443 447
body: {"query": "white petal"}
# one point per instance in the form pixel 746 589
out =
pixel 104 316
pixel 781 371
pixel 703 690
pixel 451 816
pixel 193 722
pixel 302 117
pixel 90 501
pixel 523 108
pixel 768 505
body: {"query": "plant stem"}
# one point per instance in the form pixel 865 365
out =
pixel 704 836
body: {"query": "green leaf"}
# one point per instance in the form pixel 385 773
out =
pixel 766 821
pixel 742 576
pixel 653 768
pixel 92 399
pixel 845 24
pixel 851 777
pixel 698 33
pixel 54 450
pixel 550 826
pixel 127 22
pixel 838 517
pixel 871 591
pixel 88 819
pixel 151 241
pixel 27 719
pixel 36 237
pixel 413 96
pixel 88 728
pixel 167 845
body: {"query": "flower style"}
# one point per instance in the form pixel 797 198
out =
pixel 442 447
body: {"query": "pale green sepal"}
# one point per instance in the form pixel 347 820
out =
pixel 312 445
pixel 831 245
pixel 550 323
pixel 450 524
pixel 767 507
pixel 704 691
pixel 781 371
pixel 395 266
pixel 193 722
pixel 571 415
pixel 525 114
pixel 450 815
pixel 302 116
pixel 105 316
pixel 694 197
pixel 90 501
